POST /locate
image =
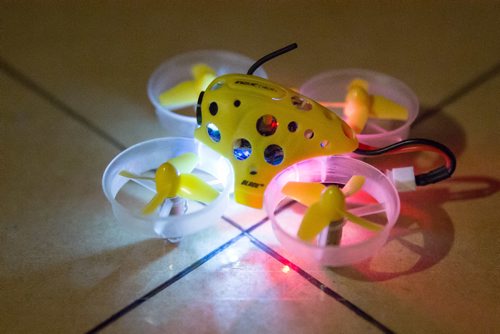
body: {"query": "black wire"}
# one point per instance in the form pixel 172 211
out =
pixel 270 56
pixel 434 175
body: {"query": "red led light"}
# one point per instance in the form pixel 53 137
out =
pixel 285 269
pixel 267 125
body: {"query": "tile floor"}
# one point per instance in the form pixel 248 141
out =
pixel 72 96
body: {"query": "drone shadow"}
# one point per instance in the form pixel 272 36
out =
pixel 434 124
pixel 422 213
pixel 424 229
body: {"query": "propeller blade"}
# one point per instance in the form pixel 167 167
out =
pixel 155 202
pixel 357 105
pixel 360 105
pixel 327 207
pixel 203 75
pixel 315 220
pixel 320 214
pixel 184 163
pixel 305 193
pixel 186 93
pixel 135 176
pixel 193 188
pixel 383 108
pixel 362 222
pixel 179 96
pixel 354 184
pixel 167 180
pixel 359 83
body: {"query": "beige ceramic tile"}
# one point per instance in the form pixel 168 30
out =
pixel 242 290
pixel 65 261
pixel 439 271
pixel 97 57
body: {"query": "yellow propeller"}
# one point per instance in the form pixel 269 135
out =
pixel 359 105
pixel 173 180
pixel 184 163
pixel 326 205
pixel 186 93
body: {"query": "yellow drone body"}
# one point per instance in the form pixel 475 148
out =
pixel 263 127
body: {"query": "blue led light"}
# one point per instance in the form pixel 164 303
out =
pixel 213 132
pixel 242 149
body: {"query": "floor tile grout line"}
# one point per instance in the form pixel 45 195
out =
pixel 463 90
pixel 331 293
pixel 164 285
pixel 23 79
pixel 311 279
pixel 259 223
pixel 239 227
pixel 56 102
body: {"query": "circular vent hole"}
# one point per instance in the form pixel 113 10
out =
pixel 267 125
pixel 274 154
pixel 213 108
pixel 293 126
pixel 308 134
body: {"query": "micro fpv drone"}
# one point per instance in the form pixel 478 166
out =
pixel 272 145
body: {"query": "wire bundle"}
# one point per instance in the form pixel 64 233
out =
pixel 417 145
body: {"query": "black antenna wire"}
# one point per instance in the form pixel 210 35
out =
pixel 270 56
